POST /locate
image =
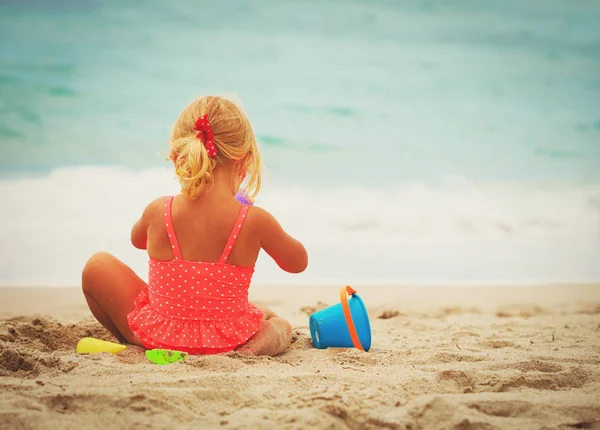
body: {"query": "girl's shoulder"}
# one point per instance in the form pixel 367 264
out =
pixel 158 204
pixel 262 220
pixel 155 208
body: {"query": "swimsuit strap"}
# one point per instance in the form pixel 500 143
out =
pixel 239 222
pixel 170 229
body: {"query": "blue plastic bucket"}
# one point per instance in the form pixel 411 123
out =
pixel 330 328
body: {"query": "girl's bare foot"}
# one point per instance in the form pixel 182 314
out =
pixel 273 337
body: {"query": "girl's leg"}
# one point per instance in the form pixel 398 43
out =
pixel 110 288
pixel 273 337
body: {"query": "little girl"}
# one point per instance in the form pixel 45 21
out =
pixel 202 246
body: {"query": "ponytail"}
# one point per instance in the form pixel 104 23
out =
pixel 193 166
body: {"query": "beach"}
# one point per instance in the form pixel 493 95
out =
pixel 440 156
pixel 523 357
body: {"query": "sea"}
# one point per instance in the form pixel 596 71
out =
pixel 421 142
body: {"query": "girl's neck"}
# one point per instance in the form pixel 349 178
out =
pixel 223 186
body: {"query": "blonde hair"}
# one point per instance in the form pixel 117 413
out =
pixel 233 137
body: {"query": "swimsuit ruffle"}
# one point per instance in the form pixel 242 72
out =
pixel 156 330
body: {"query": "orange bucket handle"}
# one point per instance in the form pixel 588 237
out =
pixel 348 290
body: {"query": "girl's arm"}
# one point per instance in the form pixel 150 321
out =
pixel 139 234
pixel 288 253
pixel 139 231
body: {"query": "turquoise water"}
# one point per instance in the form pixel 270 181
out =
pixel 439 125
pixel 386 90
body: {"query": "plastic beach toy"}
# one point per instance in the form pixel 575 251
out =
pixel 164 356
pixel 89 345
pixel 344 325
pixel 242 198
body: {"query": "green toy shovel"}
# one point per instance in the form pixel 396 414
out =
pixel 164 356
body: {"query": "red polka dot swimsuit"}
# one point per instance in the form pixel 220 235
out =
pixel 195 307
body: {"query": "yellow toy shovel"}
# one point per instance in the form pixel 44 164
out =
pixel 89 345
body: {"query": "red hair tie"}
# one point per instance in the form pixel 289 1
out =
pixel 206 135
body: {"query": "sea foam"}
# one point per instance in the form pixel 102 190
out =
pixel 449 232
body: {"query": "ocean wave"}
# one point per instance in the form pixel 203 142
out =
pixel 454 231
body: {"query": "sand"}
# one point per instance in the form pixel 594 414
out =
pixel 442 358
